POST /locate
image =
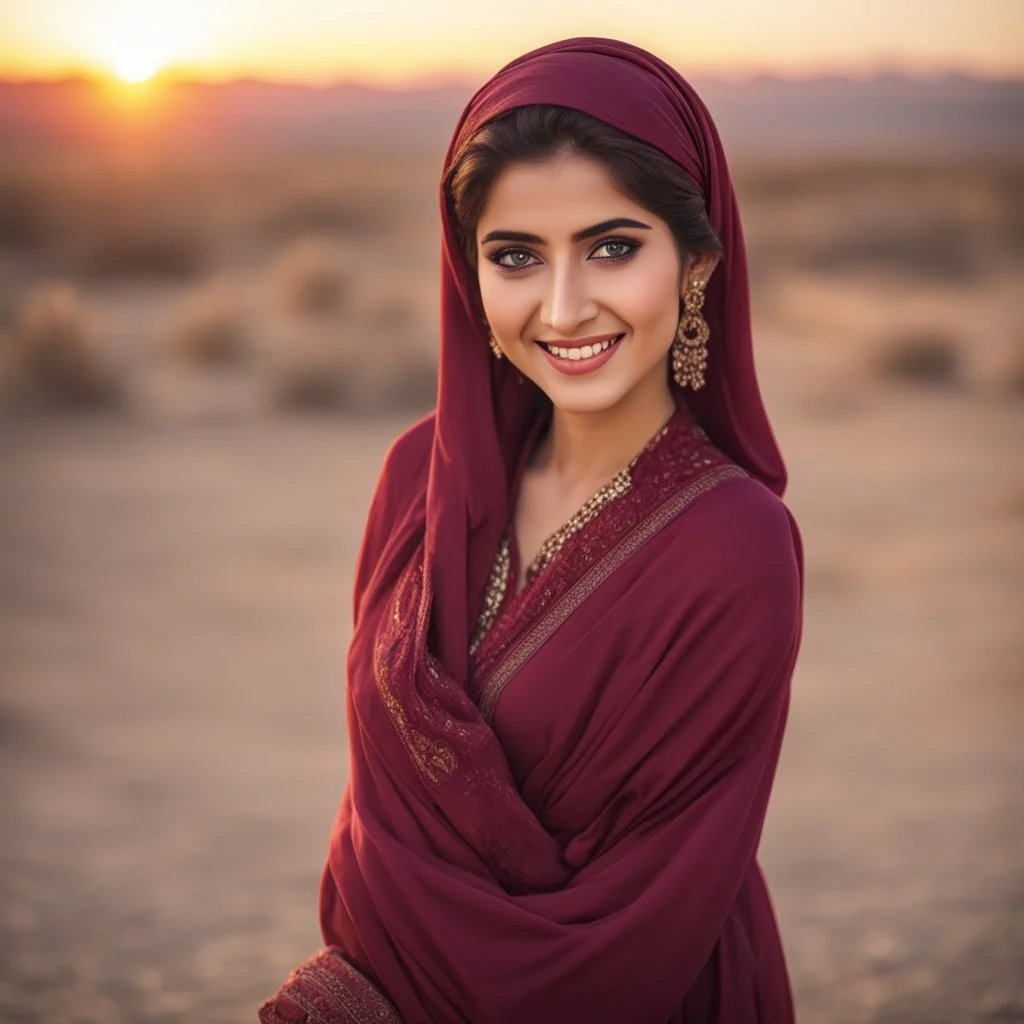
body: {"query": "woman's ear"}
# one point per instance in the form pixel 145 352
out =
pixel 699 267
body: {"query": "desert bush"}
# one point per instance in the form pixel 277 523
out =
pixel 52 355
pixel 928 357
pixel 309 277
pixel 312 211
pixel 139 247
pixel 345 367
pixel 25 214
pixel 210 328
pixel 391 315
pixel 408 383
pixel 397 369
pixel 308 370
pixel 1015 377
pixel 91 217
pixel 131 225
pixel 940 249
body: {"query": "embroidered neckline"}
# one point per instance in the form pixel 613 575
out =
pixel 497 581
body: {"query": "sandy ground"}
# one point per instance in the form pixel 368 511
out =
pixel 174 615
pixel 175 611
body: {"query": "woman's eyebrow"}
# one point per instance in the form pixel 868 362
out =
pixel 522 236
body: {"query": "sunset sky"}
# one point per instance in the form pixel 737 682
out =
pixel 398 41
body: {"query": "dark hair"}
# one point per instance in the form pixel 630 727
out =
pixel 537 132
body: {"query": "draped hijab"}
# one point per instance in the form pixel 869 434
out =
pixel 641 95
pixel 612 878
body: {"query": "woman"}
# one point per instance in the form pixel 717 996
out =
pixel 578 599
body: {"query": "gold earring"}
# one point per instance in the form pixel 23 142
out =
pixel 495 347
pixel 690 347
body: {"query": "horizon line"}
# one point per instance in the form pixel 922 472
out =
pixel 726 76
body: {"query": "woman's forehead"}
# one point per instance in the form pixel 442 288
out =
pixel 568 192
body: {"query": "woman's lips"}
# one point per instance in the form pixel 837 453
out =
pixel 584 364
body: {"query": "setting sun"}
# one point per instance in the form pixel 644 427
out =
pixel 136 68
pixel 319 41
pixel 134 52
pixel 135 42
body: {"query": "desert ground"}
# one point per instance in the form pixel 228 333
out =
pixel 201 368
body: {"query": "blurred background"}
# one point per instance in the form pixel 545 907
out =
pixel 219 260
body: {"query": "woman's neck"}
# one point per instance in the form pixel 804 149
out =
pixel 590 447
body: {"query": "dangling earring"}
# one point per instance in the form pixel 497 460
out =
pixel 690 348
pixel 495 347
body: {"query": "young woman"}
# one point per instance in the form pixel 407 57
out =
pixel 578 600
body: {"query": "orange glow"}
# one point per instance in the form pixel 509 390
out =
pixel 130 95
pixel 401 41
pixel 134 68
pixel 136 48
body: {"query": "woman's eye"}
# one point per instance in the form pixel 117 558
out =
pixel 511 259
pixel 617 248
pixel 519 259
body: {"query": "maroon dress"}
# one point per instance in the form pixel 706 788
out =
pixel 557 819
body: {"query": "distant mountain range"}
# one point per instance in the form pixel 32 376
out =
pixel 763 116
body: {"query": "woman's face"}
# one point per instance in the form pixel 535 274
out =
pixel 580 284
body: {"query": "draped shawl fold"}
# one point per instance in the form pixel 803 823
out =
pixel 580 845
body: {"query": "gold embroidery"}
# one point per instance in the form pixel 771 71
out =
pixel 327 986
pixel 497 582
pixel 434 759
pixel 535 638
pixel 615 488
pixel 493 595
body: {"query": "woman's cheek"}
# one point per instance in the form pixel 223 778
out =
pixel 650 298
pixel 509 309
pixel 499 302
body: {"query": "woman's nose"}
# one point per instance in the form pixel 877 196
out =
pixel 566 303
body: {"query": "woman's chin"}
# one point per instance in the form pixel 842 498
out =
pixel 597 392
pixel 584 397
pixel 584 393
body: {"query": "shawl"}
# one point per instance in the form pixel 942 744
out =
pixel 579 843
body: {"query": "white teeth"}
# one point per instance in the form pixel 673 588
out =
pixel 583 352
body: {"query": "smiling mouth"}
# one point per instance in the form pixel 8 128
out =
pixel 582 352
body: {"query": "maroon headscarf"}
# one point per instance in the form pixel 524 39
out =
pixel 478 428
pixel 608 873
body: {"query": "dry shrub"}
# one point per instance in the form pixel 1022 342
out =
pixel 309 277
pixel 344 367
pixel 1015 377
pixel 93 217
pixel 348 193
pixel 308 370
pixel 121 230
pixel 929 357
pixel 26 218
pixel 52 356
pixel 402 380
pixel 210 330
pixel 396 369
pixel 121 223
pixel 940 248
pixel 391 315
pixel 927 220
pixel 8 305
pixel 312 210
pixel 140 248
